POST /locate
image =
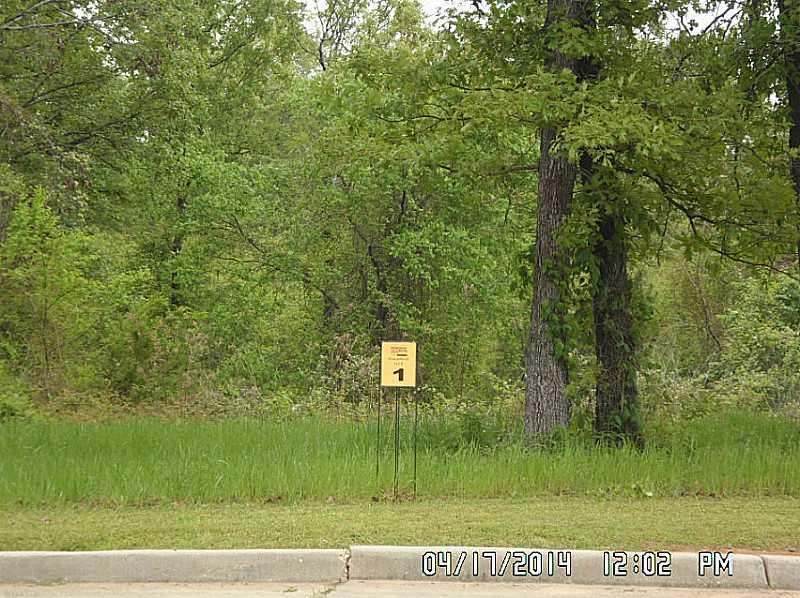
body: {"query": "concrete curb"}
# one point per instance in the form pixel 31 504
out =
pixel 409 563
pixel 783 572
pixel 178 566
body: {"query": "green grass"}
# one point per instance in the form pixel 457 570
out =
pixel 139 461
pixel 737 523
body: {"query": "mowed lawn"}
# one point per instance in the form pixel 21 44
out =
pixel 753 524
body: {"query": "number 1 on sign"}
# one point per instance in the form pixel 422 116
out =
pixel 399 364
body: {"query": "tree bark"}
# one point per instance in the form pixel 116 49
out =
pixel 788 16
pixel 7 204
pixel 616 409
pixel 546 402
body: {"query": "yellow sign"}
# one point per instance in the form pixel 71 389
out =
pixel 398 364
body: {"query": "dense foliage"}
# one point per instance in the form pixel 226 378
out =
pixel 220 208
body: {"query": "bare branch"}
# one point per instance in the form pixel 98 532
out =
pixel 27 11
pixel 40 25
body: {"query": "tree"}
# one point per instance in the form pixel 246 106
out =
pixel 546 402
pixel 616 408
pixel 789 18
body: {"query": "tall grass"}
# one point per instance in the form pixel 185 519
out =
pixel 154 460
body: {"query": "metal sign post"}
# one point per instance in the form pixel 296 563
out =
pixel 416 417
pixel 378 443
pixel 396 439
pixel 398 369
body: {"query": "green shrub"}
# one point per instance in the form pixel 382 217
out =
pixel 15 402
pixel 760 360
pixel 757 366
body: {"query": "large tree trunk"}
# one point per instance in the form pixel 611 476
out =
pixel 546 403
pixel 788 15
pixel 616 411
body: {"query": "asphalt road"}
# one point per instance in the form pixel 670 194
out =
pixel 377 589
